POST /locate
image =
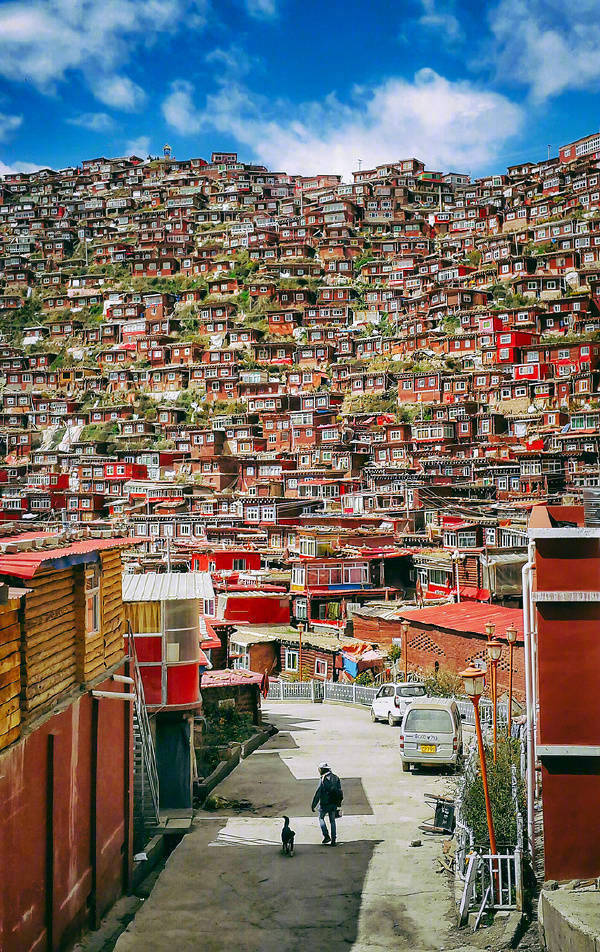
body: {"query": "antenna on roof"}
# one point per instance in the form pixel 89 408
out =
pixel 359 164
pixel 549 147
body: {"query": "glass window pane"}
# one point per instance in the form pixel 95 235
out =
pixel 182 630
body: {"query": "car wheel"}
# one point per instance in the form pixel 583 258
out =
pixel 373 717
pixel 405 767
pixel 391 720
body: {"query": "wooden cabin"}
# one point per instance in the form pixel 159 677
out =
pixel 66 744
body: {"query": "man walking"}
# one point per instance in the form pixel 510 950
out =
pixel 329 796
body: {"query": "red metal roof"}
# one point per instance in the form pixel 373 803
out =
pixel 469 616
pixel 26 564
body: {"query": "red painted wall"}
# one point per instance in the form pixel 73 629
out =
pixel 568 666
pixel 65 823
pixel 453 650
pixel 257 610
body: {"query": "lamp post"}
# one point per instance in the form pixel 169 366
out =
pixel 300 630
pixel 511 637
pixel 474 679
pixel 405 627
pixel 494 653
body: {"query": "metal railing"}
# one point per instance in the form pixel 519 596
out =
pixel 281 690
pixel 491 881
pixel 145 773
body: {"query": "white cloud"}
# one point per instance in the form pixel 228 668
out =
pixel 41 41
pixel 450 125
pixel 19 167
pixel 9 124
pixel 548 45
pixel 94 121
pixel 442 20
pixel 234 61
pixel 139 146
pixel 120 92
pixel 262 9
pixel 179 110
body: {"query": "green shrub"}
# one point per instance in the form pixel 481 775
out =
pixel 444 684
pixel 501 796
pixel 365 678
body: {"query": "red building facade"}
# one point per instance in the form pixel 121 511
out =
pixel 567 619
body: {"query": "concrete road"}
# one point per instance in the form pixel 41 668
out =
pixel 228 887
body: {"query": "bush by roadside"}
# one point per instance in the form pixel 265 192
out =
pixel 501 795
pixel 228 727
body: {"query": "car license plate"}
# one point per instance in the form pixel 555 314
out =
pixel 428 748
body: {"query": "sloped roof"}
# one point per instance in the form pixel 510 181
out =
pixel 467 617
pixel 167 586
pixel 26 564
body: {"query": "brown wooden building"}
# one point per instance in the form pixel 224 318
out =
pixel 66 763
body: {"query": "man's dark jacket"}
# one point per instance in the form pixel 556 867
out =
pixel 329 792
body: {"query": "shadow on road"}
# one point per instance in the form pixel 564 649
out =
pixel 281 741
pixel 270 786
pixel 310 900
pixel 289 722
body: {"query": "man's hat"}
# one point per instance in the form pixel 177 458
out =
pixel 324 765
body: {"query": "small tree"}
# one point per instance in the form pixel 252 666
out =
pixel 504 810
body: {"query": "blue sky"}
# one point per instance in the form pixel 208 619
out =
pixel 299 85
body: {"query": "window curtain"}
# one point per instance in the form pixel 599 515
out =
pixel 144 617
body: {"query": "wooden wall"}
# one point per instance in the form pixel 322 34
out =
pixel 309 656
pixel 48 638
pixel 45 649
pixel 113 617
pixel 10 673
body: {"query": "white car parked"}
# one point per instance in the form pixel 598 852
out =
pixel 392 700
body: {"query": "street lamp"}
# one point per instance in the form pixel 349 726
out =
pixel 494 653
pixel 511 637
pixel 300 630
pixel 474 679
pixel 405 627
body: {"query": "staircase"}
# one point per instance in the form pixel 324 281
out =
pixel 145 775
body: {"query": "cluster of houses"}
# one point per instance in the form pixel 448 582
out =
pixel 339 399
pixel 254 422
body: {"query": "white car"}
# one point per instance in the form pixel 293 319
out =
pixel 392 700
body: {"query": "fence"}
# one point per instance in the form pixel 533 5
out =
pixel 492 881
pixel 362 695
pixel 321 691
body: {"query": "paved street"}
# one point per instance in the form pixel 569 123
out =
pixel 227 886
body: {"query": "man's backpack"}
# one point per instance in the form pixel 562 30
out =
pixel 335 790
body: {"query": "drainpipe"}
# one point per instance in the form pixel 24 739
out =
pixel 530 690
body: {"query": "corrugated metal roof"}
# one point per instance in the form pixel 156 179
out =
pixel 26 564
pixel 167 586
pixel 467 616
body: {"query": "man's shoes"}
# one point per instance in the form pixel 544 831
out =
pixel 334 842
pixel 326 840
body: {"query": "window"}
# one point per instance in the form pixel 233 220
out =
pixel 430 720
pixel 438 577
pixel 320 668
pixel 291 659
pixel 92 601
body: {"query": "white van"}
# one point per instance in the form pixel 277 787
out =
pixel 431 733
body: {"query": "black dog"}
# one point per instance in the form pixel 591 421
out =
pixel 287 837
